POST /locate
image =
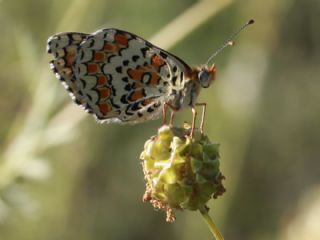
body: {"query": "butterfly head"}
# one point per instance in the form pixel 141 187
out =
pixel 206 75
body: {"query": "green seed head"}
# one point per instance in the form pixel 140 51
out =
pixel 181 172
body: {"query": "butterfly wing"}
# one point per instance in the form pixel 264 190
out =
pixel 116 75
pixel 64 47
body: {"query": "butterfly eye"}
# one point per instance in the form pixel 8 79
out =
pixel 204 78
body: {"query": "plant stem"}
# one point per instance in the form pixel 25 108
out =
pixel 212 226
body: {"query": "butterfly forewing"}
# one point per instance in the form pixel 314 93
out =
pixel 116 75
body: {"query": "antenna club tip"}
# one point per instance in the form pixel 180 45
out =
pixel 251 21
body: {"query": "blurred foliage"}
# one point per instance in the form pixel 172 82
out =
pixel 63 176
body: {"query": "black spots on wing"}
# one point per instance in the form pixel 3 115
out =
pixel 174 69
pixel 163 55
pixel 128 87
pixel 70 38
pixel 77 101
pixel 119 69
pixel 136 106
pixel 174 79
pixel 123 99
pixel 135 58
pixel 128 110
pixel 144 51
pixel 125 79
pixel 149 45
pixel 131 86
pixel 150 110
pixel 105 34
pixel 125 62
pixel 181 77
pixel 153 107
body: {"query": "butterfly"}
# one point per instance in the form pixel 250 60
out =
pixel 120 77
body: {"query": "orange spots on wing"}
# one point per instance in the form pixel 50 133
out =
pixel 101 80
pixel 104 92
pixel 99 56
pixel 105 108
pixel 136 95
pixel 157 61
pixel 121 39
pixel 154 79
pixel 136 74
pixel 92 67
pixel 147 102
pixel 69 59
pixel 108 47
pixel 137 85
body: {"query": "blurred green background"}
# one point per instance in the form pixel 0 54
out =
pixel 63 176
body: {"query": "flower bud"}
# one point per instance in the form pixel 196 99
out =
pixel 181 172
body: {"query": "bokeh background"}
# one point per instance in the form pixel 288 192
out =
pixel 63 176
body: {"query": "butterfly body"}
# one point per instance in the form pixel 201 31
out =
pixel 119 77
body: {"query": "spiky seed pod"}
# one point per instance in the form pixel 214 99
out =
pixel 181 172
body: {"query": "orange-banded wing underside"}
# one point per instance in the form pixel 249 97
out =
pixel 115 75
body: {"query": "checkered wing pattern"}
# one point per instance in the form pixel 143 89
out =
pixel 116 75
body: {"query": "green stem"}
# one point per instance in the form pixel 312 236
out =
pixel 213 228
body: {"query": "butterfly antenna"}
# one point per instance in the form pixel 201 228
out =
pixel 229 41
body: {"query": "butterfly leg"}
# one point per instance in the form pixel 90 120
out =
pixel 204 108
pixel 172 117
pixel 194 116
pixel 164 113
